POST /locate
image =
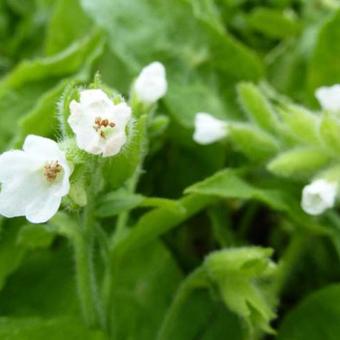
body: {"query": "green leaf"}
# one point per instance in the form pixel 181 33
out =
pixel 11 254
pixel 299 163
pixel 121 200
pixel 315 318
pixel 68 23
pixel 39 329
pixel 330 133
pixel 256 105
pixel 195 312
pixel 323 68
pixel 253 142
pixel 236 272
pixel 274 23
pixel 158 221
pixel 143 290
pixel 41 120
pixel 35 236
pixel 302 124
pixel 47 274
pixel 118 201
pixel 21 89
pixel 191 47
pixel 229 183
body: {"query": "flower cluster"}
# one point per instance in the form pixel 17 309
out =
pixel 317 196
pixel 34 180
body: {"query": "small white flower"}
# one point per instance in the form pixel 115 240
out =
pixel 329 97
pixel 151 84
pixel 318 196
pixel 209 129
pixel 98 123
pixel 33 180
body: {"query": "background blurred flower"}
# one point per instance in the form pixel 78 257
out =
pixel 318 196
pixel 329 97
pixel 209 129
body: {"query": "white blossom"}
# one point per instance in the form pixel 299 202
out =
pixel 318 196
pixel 329 97
pixel 33 180
pixel 99 124
pixel 151 84
pixel 209 129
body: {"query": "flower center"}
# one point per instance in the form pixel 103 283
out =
pixel 103 126
pixel 52 170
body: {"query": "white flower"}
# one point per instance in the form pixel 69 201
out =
pixel 329 97
pixel 151 84
pixel 33 181
pixel 98 123
pixel 209 129
pixel 318 196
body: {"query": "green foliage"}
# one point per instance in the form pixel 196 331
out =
pixel 314 318
pixel 234 271
pixel 169 239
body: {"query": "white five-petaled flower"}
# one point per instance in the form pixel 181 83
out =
pixel 33 180
pixel 151 84
pixel 318 196
pixel 98 123
pixel 329 97
pixel 209 129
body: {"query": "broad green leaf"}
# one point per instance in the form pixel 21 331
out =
pixel 142 291
pixel 158 221
pixel 194 312
pixel 41 120
pixel 191 48
pixel 47 274
pixel 11 254
pixel 118 201
pixel 121 200
pixel 35 236
pixel 61 328
pixel 274 23
pixel 257 106
pixel 229 183
pixel 256 144
pixel 315 318
pixel 67 23
pixel 20 89
pixel 299 163
pixel 324 68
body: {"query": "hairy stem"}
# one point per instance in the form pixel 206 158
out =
pixel 86 276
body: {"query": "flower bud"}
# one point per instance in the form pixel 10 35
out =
pixel 318 196
pixel 151 84
pixel 209 129
pixel 329 97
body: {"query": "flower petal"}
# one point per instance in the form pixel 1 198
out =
pixel 42 148
pixel 16 163
pixel 91 96
pixel 42 208
pixel 17 193
pixel 114 144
